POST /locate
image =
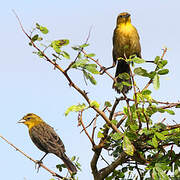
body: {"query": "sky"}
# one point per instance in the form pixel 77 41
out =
pixel 29 84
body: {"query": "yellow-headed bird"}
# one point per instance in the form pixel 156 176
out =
pixel 46 139
pixel 125 43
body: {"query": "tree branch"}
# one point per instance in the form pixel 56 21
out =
pixel 30 158
pixel 71 83
pixel 94 161
pixel 123 157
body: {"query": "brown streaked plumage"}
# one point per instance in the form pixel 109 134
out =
pixel 46 139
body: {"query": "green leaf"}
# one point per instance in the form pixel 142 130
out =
pixel 63 42
pixel 124 76
pixel 162 63
pixel 84 45
pixel 127 146
pixel 134 127
pixel 178 106
pixel 34 38
pixel 162 174
pixel 44 30
pixel 119 86
pixel 154 142
pixel 124 83
pixel 55 45
pixel 146 92
pixel 160 110
pixel 163 71
pixel 160 136
pixel 92 68
pixel 116 136
pixel 156 82
pixel 90 77
pixel 73 158
pixel 65 55
pixel 156 60
pixel 80 63
pixel 94 104
pixel 170 111
pixel 155 174
pixel 100 134
pixel 90 55
pixel 75 108
pixel 76 48
pixel 39 53
pixel 140 71
pixel 151 74
pixel 40 39
pixel 138 60
pixel 114 121
pixel 107 104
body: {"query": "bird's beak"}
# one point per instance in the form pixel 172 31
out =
pixel 21 121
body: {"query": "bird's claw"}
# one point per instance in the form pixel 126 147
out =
pixel 38 165
pixel 102 70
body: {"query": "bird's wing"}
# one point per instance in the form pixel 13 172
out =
pixel 46 139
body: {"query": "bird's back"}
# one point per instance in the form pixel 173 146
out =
pixel 46 139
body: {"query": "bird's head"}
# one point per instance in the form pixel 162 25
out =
pixel 123 18
pixel 30 120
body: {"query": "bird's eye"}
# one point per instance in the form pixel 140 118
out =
pixel 28 118
pixel 120 16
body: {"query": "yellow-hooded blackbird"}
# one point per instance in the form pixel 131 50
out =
pixel 125 43
pixel 46 139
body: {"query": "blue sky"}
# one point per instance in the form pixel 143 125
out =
pixel 29 84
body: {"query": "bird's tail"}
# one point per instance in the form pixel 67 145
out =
pixel 122 67
pixel 68 163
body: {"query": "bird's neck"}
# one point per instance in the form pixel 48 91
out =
pixel 32 124
pixel 125 27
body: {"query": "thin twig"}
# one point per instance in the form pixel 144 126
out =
pixel 141 178
pixel 71 83
pixel 94 119
pixel 94 127
pixel 97 62
pixel 135 96
pixel 170 105
pixel 79 51
pixel 84 128
pixel 105 160
pixel 151 80
pixel 30 158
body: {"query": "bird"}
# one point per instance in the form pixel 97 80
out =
pixel 46 139
pixel 126 42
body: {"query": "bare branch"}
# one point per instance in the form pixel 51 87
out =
pixel 84 128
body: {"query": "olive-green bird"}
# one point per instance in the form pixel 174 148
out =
pixel 125 43
pixel 46 139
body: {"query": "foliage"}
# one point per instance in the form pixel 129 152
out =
pixel 147 148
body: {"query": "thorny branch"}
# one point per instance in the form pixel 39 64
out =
pixel 71 83
pixel 30 158
pixel 84 128
pixel 123 157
